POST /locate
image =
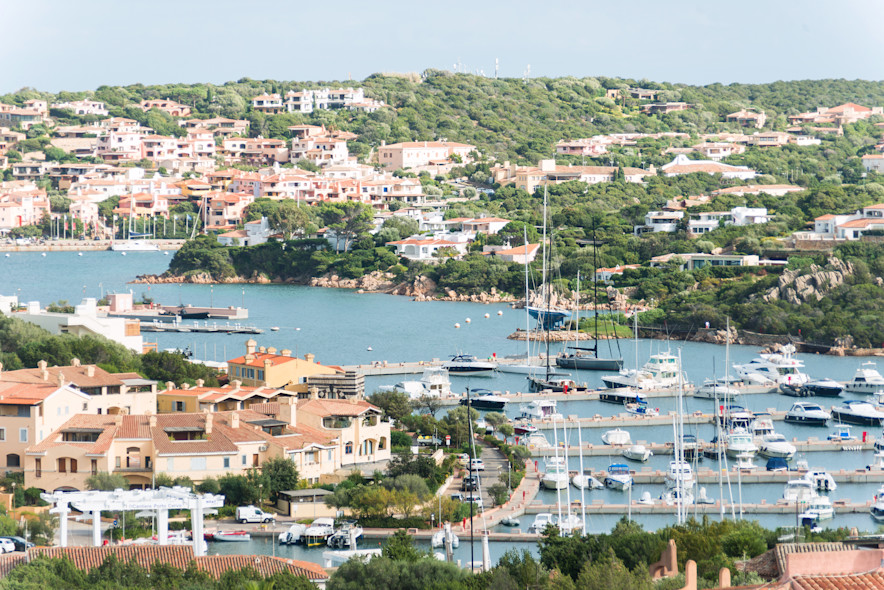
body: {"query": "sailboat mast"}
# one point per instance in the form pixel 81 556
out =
pixel 527 315
pixel 595 292
pixel 558 466
pixel 583 479
pixel 546 321
pixel 577 314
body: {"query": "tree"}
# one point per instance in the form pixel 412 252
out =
pixel 400 547
pixel 348 220
pixel 291 220
pixel 500 493
pixel 237 490
pixel 281 475
pixel 395 404
pixel 430 403
pixel 506 430
pixel 107 481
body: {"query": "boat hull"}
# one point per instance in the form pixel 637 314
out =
pixel 480 404
pixel 808 420
pixel 823 390
pixel 616 397
pixel 470 372
pixel 849 418
pixel 617 483
pixel 554 483
pixel 589 363
pixel 522 369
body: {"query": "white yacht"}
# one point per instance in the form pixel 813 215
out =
pixel 744 462
pixel 776 445
pixel 536 440
pixel 319 531
pixel 638 453
pixel 716 389
pixel 540 522
pixel 570 524
pixel 293 535
pixel 866 380
pixel 469 366
pixel 819 508
pixel 539 409
pixel 556 475
pixel 438 540
pixel 807 413
pixel 761 425
pixel 676 497
pixel 433 383
pixel 619 477
pixel 679 474
pixel 134 246
pixel 617 437
pixel 660 372
pixel 821 480
pixel 858 412
pixel 740 442
pixel 877 509
pixel 346 536
pixel 584 481
pixel 799 490
pixel 774 369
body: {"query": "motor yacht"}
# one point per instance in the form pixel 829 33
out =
pixel 641 408
pixel 524 428
pixel 483 399
pixel 822 388
pixel 858 412
pixel 716 389
pixel 619 477
pixel 807 413
pixel 660 372
pixel 744 462
pixel 470 366
pixel 319 531
pixel 555 476
pixel 134 246
pixel 799 490
pixel 761 425
pixel 293 535
pixel 773 369
pixel 739 442
pixel 539 409
pixel 433 383
pixel 679 474
pixel 438 540
pixel 616 437
pixel 821 480
pixel 570 524
pixel 346 536
pixel 866 380
pixel 776 445
pixel 637 453
pixel 819 508
pixel 733 416
pixel 541 521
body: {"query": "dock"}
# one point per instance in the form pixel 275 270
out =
pixel 602 507
pixel 591 450
pixel 205 328
pixel 710 476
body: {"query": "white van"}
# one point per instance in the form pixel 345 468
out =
pixel 253 514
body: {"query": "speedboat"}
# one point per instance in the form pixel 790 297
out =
pixel 556 475
pixel 616 437
pixel 438 540
pixel 346 536
pixel 641 408
pixel 679 475
pixel 292 536
pixel 660 372
pixel 807 413
pixel 677 496
pixel 541 521
pixel 619 477
pixel 483 399
pixel 638 453
pixel 433 383
pixel 468 365
pixel 738 442
pixel 319 531
pixel 535 441
pixel 509 521
pixel 584 481
pixel 620 396
pixel 646 499
pixel 841 434
pixel 524 428
pixel 776 445
pixel 822 388
pixel 777 464
pixel 866 380
pixel 134 246
pixel 821 480
pixel 716 389
pixel 819 508
pixel 539 409
pixel 228 536
pixel 799 490
pixel 858 412
pixel 774 369
pixel 558 384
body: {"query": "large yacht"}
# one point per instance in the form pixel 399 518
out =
pixel 858 412
pixel 774 369
pixel 660 372
pixel 433 383
pixel 866 380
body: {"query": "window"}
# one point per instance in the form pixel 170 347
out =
pixel 73 465
pixel 23 435
pixel 348 448
pixel 13 460
pixel 117 464
pixel 62 465
pixel 94 466
pixel 2 434
pixel 197 463
pixel 170 464
pixel 85 406
pixel 329 455
pixel 38 468
pixel 24 412
pixel 179 406
pixel 226 462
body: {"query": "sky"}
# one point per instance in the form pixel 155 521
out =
pixel 54 45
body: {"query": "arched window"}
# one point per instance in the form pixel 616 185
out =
pixel 13 460
pixel 348 448
pixel 382 443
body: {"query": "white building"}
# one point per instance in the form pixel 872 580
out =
pixel 84 107
pixel 684 165
pixel 709 220
pixel 874 163
pixel 427 249
pixel 85 321
pixel 659 221
pixel 697 260
pixel 846 226
pixel 253 233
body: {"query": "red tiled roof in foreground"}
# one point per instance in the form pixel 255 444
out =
pixel 867 581
pixel 178 556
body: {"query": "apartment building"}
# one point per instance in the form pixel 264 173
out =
pixel 22 208
pixel 355 425
pixel 411 154
pixel 230 397
pixel 167 106
pixel 83 107
pixel 262 366
pixel 702 223
pixel 547 172
pixel 748 118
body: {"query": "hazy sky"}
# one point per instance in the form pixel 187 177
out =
pixel 81 44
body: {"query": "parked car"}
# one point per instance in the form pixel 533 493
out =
pixel 253 514
pixel 20 544
pixel 470 483
pixel 6 545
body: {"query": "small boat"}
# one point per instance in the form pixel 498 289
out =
pixel 535 441
pixel 716 389
pixel 468 365
pixel 821 480
pixel 620 396
pixel 231 536
pixel 616 437
pixel 807 413
pixel 276 329
pixel 619 477
pixel 841 434
pixel 646 499
pixel 346 536
pixel 740 442
pixel 867 379
pixel 293 535
pixel 777 464
pixel 641 408
pixel 690 447
pixel 438 540
pixel 539 409
pixel 584 481
pixel 878 465
pixel 483 399
pixel 555 476
pixel 822 388
pixel 541 521
pixel 799 490
pixel 675 497
pixel 702 498
pixel 637 453
pixel 509 521
pixel 569 524
pixel 858 412
pixel 679 474
pixel 523 428
pixel 319 531
pixel 134 246
pixel 776 445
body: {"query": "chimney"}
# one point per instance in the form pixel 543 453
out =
pixel 118 419
pixel 75 362
pixel 170 385
pixel 285 352
pixel 185 386
pixel 309 357
pixel 288 410
pixel 250 346
pixel 208 423
pixel 199 382
pixel 236 384
pixel 314 393
pixel 90 370
pixel 234 419
pixel 42 365
pixel 152 420
pixel 262 350
pixel 267 364
pixel 271 350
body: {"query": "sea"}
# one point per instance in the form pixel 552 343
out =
pixel 344 327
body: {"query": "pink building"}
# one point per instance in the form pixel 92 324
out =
pixel 411 154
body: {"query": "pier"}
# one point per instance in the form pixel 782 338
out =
pixel 710 476
pixel 602 507
pixel 205 328
pixel 591 450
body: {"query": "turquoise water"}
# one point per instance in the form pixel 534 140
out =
pixel 339 326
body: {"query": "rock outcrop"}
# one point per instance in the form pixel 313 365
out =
pixel 799 286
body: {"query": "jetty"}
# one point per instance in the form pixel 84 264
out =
pixel 591 450
pixel 710 476
pixel 780 507
pixel 205 328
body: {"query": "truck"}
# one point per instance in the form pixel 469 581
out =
pixel 252 514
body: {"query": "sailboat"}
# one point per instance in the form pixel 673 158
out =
pixel 587 357
pixel 547 318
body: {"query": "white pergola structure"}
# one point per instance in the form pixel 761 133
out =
pixel 160 501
